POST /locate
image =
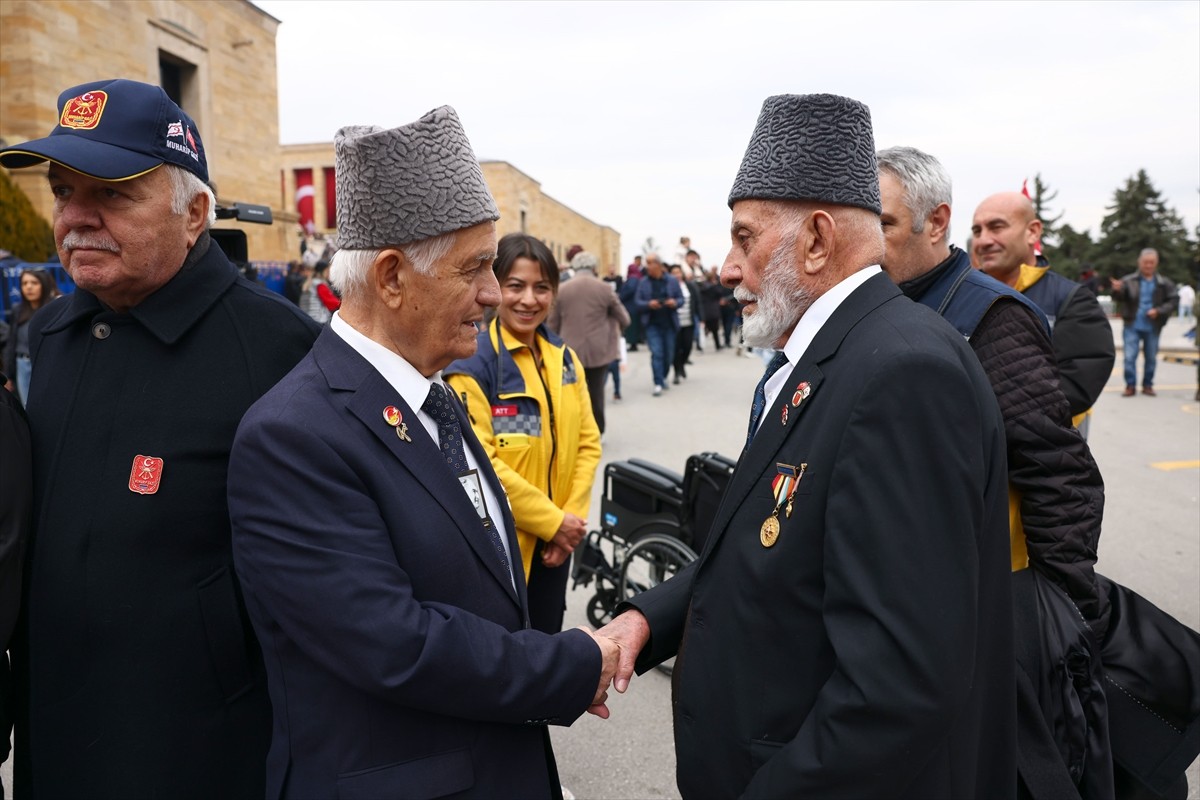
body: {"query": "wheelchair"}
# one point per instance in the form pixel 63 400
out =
pixel 653 523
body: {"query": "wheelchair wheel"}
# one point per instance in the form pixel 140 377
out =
pixel 652 560
pixel 649 562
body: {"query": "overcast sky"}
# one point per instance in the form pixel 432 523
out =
pixel 636 114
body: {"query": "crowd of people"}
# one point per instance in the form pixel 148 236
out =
pixel 319 548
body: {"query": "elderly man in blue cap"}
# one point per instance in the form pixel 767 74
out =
pixel 136 666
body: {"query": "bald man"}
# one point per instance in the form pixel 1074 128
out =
pixel 1004 232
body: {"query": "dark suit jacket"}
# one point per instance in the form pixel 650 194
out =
pixel 868 653
pixel 397 657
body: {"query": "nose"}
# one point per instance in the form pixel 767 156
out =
pixel 731 273
pixel 78 212
pixel 489 292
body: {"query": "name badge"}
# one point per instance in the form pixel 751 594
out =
pixel 473 486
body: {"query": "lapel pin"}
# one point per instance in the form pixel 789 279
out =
pixel 784 415
pixel 393 417
pixel 803 390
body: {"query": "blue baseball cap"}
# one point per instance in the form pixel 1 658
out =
pixel 115 130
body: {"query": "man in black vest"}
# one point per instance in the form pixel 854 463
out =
pixel 1004 235
pixel 1056 493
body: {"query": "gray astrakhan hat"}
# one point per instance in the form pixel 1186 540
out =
pixel 409 183
pixel 811 147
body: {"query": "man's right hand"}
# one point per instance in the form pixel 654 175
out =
pixel 630 631
pixel 609 657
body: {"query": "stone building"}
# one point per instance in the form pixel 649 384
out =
pixel 216 58
pixel 524 208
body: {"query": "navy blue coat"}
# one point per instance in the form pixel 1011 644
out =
pixel 398 656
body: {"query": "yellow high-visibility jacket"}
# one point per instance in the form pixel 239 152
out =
pixel 538 429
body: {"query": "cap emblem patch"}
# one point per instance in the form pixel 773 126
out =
pixel 83 112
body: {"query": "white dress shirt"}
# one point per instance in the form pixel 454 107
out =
pixel 414 388
pixel 807 328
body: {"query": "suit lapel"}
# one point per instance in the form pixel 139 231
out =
pixel 774 431
pixel 367 394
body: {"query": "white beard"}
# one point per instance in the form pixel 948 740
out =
pixel 780 305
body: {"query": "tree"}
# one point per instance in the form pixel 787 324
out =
pixel 1042 197
pixel 1074 252
pixel 1139 218
pixel 23 231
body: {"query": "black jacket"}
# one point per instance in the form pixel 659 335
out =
pixel 1049 464
pixel 138 669
pixel 868 651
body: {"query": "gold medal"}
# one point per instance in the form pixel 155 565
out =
pixel 769 532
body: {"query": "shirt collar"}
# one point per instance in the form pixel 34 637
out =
pixel 811 323
pixel 401 375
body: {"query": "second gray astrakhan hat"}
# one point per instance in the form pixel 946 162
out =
pixel 409 183
pixel 811 147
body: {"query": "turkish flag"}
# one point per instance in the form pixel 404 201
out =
pixel 304 199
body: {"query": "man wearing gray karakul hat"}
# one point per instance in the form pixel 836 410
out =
pixel 848 625
pixel 374 543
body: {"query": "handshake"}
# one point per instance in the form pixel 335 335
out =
pixel 619 641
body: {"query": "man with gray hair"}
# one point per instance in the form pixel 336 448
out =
pixel 136 669
pixel 1147 300
pixel 589 317
pixel 845 632
pixel 374 542
pixel 1057 494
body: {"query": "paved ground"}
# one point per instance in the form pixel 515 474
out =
pixel 1147 448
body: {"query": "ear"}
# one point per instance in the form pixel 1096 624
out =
pixel 390 273
pixel 1035 232
pixel 815 245
pixel 197 217
pixel 939 223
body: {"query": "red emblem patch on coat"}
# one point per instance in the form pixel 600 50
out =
pixel 146 474
pixel 504 411
pixel 83 113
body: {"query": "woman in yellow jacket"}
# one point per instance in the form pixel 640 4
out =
pixel 528 403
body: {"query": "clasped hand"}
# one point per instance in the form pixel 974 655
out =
pixel 619 641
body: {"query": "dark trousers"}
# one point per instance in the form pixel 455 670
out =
pixel 683 350
pixel 595 383
pixel 713 326
pixel 547 593
pixel 728 321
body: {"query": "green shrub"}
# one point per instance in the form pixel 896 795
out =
pixel 23 231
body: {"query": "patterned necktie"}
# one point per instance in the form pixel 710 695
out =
pixel 760 394
pixel 439 406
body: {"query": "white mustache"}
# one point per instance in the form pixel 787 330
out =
pixel 743 295
pixel 75 240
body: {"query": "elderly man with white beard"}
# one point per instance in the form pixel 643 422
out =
pixel 845 631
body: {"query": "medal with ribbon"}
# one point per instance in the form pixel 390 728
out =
pixel 783 486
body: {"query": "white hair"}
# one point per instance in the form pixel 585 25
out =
pixel 186 185
pixel 924 180
pixel 348 268
pixel 584 260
